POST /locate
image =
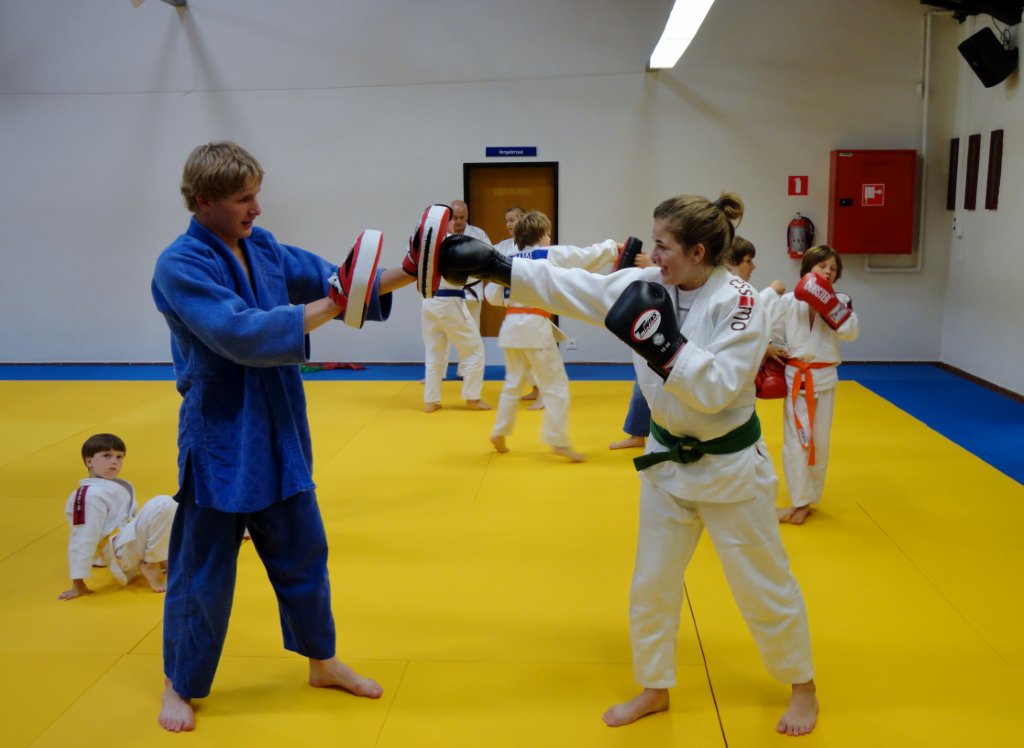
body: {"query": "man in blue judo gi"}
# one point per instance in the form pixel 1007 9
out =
pixel 240 305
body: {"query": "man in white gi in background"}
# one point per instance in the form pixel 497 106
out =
pixel 452 318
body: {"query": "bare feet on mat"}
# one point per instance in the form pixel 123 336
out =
pixel 537 404
pixel 477 405
pixel 784 513
pixel 801 715
pixel 499 444
pixel 431 407
pixel 154 576
pixel 799 515
pixel 650 701
pixel 334 673
pixel 569 454
pixel 532 394
pixel 176 713
pixel 630 442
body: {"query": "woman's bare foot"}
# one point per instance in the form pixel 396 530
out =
pixel 629 442
pixel 499 444
pixel 477 405
pixel 569 454
pixel 651 700
pixel 334 673
pixel 176 713
pixel 801 715
pixel 431 407
pixel 154 575
pixel 784 513
pixel 537 404
pixel 532 394
pixel 799 515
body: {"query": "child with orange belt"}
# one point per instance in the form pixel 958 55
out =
pixel 809 323
pixel 530 339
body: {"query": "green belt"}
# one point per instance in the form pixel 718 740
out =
pixel 687 449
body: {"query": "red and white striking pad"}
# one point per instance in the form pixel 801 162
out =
pixel 352 287
pixel 432 231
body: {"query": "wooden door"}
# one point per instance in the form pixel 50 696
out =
pixel 490 190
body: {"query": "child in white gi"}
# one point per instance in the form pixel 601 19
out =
pixel 107 526
pixel 706 465
pixel 530 339
pixel 812 350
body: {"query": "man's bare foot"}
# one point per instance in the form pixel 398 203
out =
pixel 176 713
pixel 537 404
pixel 801 715
pixel 651 700
pixel 532 394
pixel 154 576
pixel 431 407
pixel 630 442
pixel 784 513
pixel 499 444
pixel 799 515
pixel 334 673
pixel 477 405
pixel 569 454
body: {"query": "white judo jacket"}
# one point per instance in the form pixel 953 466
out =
pixel 96 509
pixel 534 330
pixel 710 390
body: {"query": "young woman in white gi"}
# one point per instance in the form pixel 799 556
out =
pixel 812 347
pixel 530 339
pixel 706 465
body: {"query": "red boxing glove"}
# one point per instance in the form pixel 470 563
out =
pixel 770 382
pixel 818 294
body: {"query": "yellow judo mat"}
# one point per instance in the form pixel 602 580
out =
pixel 488 594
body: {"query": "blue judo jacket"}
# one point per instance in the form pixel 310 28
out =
pixel 243 435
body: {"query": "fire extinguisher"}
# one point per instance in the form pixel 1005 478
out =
pixel 799 236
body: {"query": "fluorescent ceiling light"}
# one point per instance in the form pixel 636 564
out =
pixel 683 22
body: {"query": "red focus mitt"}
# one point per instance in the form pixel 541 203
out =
pixel 351 288
pixel 424 248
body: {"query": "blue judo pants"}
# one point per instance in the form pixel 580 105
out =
pixel 290 540
pixel 638 418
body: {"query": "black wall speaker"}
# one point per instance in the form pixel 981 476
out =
pixel 987 57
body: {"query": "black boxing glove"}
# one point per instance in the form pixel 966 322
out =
pixel 463 257
pixel 644 318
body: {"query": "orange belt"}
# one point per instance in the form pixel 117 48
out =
pixel 528 310
pixel 803 377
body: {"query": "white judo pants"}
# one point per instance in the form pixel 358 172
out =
pixel 545 367
pixel 146 537
pixel 806 483
pixel 444 322
pixel 746 537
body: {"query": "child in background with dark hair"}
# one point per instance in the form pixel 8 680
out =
pixel 809 324
pixel 106 523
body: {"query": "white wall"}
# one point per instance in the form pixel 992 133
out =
pixel 100 109
pixel 984 301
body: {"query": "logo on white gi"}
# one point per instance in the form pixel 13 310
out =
pixel 646 324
